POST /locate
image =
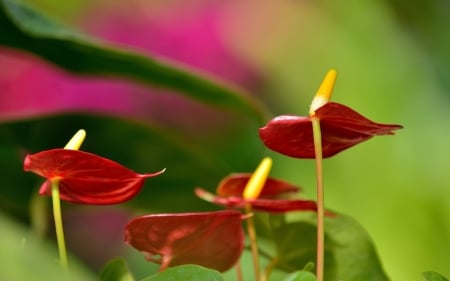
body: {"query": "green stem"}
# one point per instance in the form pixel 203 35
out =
pixel 269 268
pixel 252 237
pixel 239 271
pixel 320 199
pixel 59 224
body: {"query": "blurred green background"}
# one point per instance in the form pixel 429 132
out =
pixel 393 63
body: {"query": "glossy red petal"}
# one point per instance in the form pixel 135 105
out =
pixel 234 185
pixel 282 206
pixel 266 205
pixel 228 202
pixel 85 178
pixel 341 127
pixel 211 239
pixel 343 117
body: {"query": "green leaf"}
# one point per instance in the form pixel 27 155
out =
pixel 25 28
pixel 23 257
pixel 433 276
pixel 349 252
pixel 300 276
pixel 116 270
pixel 186 273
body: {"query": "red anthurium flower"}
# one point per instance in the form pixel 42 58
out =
pixel 267 205
pixel 230 190
pixel 211 239
pixel 234 185
pixel 85 178
pixel 341 127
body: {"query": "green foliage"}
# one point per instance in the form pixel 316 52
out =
pixel 300 276
pixel 433 276
pixel 186 273
pixel 116 270
pixel 349 252
pixel 25 28
pixel 24 256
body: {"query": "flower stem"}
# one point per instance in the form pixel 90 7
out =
pixel 320 199
pixel 252 237
pixel 59 224
pixel 268 270
pixel 252 190
pixel 239 271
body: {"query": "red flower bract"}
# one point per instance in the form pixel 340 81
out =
pixel 85 178
pixel 341 128
pixel 234 185
pixel 230 189
pixel 211 239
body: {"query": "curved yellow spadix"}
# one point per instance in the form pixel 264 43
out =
pixel 256 182
pixel 76 141
pixel 323 94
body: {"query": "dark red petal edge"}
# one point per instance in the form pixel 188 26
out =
pixel 234 185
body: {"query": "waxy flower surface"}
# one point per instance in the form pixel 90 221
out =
pixel 341 127
pixel 231 188
pixel 211 239
pixel 85 178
